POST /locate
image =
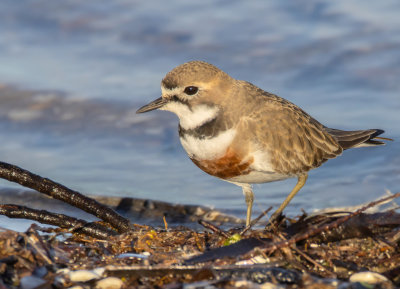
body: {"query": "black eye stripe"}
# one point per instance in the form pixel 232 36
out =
pixel 191 90
pixel 177 99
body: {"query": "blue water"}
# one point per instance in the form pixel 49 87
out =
pixel 78 70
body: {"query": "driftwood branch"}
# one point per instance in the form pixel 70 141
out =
pixel 57 191
pixel 63 221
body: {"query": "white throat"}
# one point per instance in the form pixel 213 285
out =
pixel 191 118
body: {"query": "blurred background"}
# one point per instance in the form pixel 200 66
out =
pixel 73 73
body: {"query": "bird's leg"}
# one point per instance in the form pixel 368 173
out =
pixel 301 180
pixel 249 197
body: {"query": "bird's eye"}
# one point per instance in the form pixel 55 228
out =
pixel 190 90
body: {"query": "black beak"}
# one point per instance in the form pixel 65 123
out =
pixel 159 102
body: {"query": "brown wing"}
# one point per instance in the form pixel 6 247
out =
pixel 295 141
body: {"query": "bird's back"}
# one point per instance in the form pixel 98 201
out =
pixel 292 140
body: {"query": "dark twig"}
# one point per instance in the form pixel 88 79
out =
pixel 255 221
pixel 213 228
pixel 317 230
pixel 260 216
pixel 92 229
pixel 57 191
pixel 329 273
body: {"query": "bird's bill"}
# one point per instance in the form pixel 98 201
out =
pixel 159 102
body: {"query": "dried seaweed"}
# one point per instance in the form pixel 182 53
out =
pixel 342 249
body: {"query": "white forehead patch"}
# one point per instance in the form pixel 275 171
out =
pixel 191 118
pixel 167 91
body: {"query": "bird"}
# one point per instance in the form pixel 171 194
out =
pixel 242 134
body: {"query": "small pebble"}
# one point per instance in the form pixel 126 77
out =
pixel 109 283
pixel 255 260
pixel 133 255
pixel 30 282
pixel 85 275
pixel 249 284
pixel 368 277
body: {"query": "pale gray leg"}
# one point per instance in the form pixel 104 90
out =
pixel 301 180
pixel 249 197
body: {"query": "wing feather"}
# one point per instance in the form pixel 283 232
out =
pixel 294 140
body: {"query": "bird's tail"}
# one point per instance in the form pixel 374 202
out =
pixel 357 138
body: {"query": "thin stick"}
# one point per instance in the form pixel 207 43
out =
pixel 255 221
pixel 316 264
pixel 213 228
pixel 165 223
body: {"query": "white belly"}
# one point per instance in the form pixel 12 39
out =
pixel 262 171
pixel 257 177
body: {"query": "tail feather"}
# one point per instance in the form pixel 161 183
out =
pixel 357 138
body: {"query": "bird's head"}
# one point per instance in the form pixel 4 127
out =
pixel 194 91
